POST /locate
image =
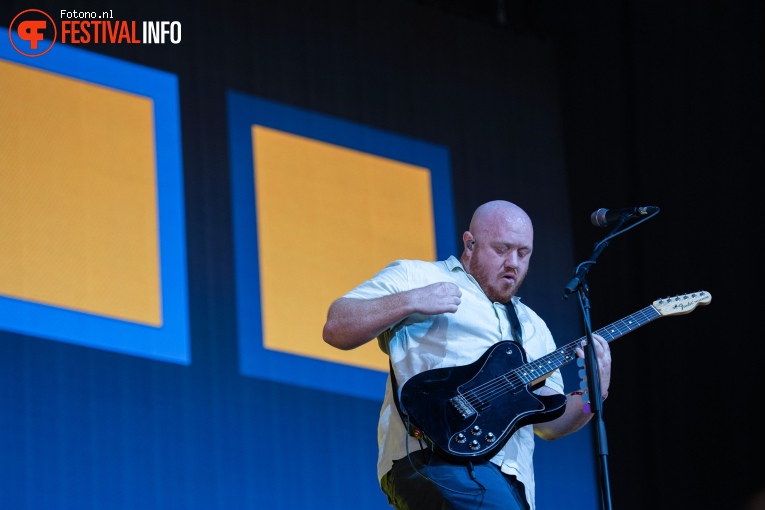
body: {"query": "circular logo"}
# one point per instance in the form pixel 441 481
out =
pixel 32 33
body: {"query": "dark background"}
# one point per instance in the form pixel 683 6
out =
pixel 644 103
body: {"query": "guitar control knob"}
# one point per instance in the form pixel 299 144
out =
pixel 476 430
pixel 461 438
pixel 474 445
pixel 490 437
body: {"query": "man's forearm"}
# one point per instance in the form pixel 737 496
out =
pixel 354 322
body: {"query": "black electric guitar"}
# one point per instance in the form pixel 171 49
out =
pixel 469 412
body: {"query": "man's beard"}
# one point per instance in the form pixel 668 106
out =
pixel 498 292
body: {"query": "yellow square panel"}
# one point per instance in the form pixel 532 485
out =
pixel 78 208
pixel 329 218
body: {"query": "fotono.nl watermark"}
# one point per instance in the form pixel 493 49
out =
pixel 34 32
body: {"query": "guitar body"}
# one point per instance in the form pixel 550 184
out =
pixel 469 412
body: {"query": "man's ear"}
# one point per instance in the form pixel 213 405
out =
pixel 467 237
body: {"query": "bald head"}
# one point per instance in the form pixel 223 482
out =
pixel 499 214
pixel 498 248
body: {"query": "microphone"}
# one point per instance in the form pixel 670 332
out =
pixel 604 217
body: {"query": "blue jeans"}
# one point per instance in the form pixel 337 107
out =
pixel 439 485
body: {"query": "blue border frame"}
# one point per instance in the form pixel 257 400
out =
pixel 171 341
pixel 243 112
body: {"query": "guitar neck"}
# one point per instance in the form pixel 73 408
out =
pixel 564 355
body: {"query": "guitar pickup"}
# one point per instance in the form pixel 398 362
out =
pixel 462 406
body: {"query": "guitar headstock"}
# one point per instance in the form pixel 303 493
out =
pixel 682 303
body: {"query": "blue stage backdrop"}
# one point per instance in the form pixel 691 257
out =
pixel 176 216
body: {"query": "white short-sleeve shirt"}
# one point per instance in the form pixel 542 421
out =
pixel 424 342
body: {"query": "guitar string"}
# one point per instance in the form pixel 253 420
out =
pixel 609 333
pixel 517 377
pixel 502 384
pixel 513 379
pixel 498 385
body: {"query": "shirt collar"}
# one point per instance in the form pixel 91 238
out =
pixel 454 263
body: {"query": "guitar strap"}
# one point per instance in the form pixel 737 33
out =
pixel 517 332
pixel 394 387
pixel 515 324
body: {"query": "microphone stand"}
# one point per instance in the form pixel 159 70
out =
pixel 579 285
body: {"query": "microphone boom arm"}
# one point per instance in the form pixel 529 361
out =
pixel 584 268
pixel 624 215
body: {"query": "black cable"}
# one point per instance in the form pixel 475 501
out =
pixel 471 469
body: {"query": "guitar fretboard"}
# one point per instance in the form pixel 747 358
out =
pixel 481 395
pixel 563 355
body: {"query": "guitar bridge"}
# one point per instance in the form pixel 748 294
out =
pixel 462 406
